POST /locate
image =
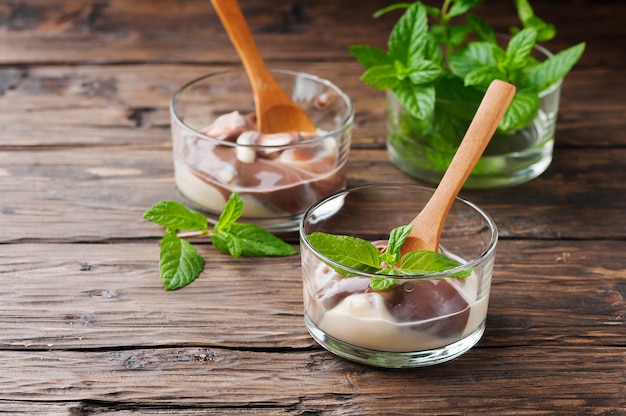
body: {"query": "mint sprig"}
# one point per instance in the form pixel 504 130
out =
pixel 359 254
pixel 180 263
pixel 428 47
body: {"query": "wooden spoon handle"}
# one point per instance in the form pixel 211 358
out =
pixel 428 224
pixel 237 28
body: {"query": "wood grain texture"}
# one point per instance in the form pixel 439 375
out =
pixel 99 194
pixel 85 148
pixel 128 104
pixel 301 382
pixel 86 296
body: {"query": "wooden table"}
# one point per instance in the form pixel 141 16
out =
pixel 85 326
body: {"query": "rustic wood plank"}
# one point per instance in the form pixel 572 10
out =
pixel 128 104
pixel 85 327
pixel 99 194
pixel 86 296
pixel 301 382
pixel 95 31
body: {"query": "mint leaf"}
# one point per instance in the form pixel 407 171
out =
pixel 482 77
pixel 231 213
pixel 526 14
pixel 424 262
pixel 351 252
pixel 382 77
pixel 370 56
pixel 381 283
pixel 462 6
pixel 473 56
pixel 522 110
pixel 398 235
pixel 481 28
pixel 392 7
pixel 171 214
pixel 409 34
pixel 250 240
pixel 423 72
pixel 519 48
pixel 179 262
pixel 553 69
pixel 418 100
pixel 356 253
pixel 457 34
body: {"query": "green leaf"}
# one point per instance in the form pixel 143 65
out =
pixel 545 31
pixel 418 100
pixel 526 14
pixel 521 111
pixel 519 49
pixel 553 69
pixel 457 34
pixel 250 240
pixel 179 262
pixel 227 242
pixel 482 77
pixel 423 72
pixel 370 56
pixel 524 10
pixel 433 51
pixel 348 251
pixel 424 262
pixel 473 56
pixel 462 6
pixel 381 283
pixel 390 8
pixel 382 77
pixel 398 235
pixel 231 213
pixel 482 29
pixel 408 36
pixel 172 214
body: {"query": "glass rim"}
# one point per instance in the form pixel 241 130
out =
pixel 345 122
pixel 491 247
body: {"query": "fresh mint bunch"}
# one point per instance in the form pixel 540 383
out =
pixel 360 254
pixel 430 57
pixel 180 263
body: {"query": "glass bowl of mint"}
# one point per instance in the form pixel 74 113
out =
pixel 368 301
pixel 438 66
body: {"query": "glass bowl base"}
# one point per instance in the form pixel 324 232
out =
pixel 394 359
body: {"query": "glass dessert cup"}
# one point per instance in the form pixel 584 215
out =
pixel 420 320
pixel 217 150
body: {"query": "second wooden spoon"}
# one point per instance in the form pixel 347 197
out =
pixel 276 112
pixel 428 224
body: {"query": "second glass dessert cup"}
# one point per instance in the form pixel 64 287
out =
pixel 217 149
pixel 419 320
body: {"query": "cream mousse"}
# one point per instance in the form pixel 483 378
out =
pixel 275 174
pixel 411 315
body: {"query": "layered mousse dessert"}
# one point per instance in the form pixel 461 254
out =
pixel 411 315
pixel 276 175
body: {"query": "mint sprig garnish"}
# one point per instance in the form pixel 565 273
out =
pixel 359 254
pixel 180 263
pixel 429 50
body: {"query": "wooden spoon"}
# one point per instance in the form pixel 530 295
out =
pixel 275 110
pixel 427 225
